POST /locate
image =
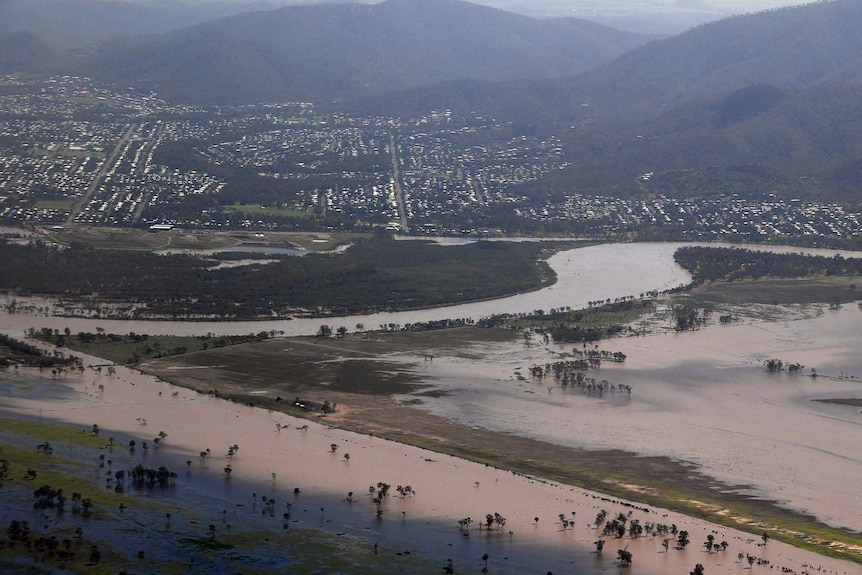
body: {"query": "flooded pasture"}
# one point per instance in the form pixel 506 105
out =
pixel 279 455
pixel 701 397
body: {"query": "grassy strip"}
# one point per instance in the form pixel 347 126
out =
pixel 45 432
pixel 58 472
pixel 133 348
pixel 704 502
pixel 257 210
pixel 323 242
pixel 777 291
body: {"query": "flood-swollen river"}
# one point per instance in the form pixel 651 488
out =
pixel 701 397
pixel 583 275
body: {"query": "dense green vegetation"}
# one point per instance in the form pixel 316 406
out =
pixel 322 53
pixel 135 347
pixel 755 141
pixel 730 264
pixel 373 274
pixel 599 321
pixel 14 352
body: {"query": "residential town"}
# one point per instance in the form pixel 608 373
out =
pixel 74 152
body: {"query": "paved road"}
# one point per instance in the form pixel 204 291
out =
pixel 151 187
pixel 396 179
pixel 127 135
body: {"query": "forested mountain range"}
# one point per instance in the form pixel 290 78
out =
pixel 76 24
pixel 790 48
pixel 23 52
pixel 340 51
pixel 759 139
pixel 408 56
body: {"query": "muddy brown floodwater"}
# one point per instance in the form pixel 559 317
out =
pixel 277 455
pixel 703 397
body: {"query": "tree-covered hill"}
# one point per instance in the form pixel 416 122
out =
pixel 23 52
pixel 336 51
pixel 73 25
pixel 757 140
pixel 791 48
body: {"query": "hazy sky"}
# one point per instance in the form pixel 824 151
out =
pixel 649 16
pixel 616 6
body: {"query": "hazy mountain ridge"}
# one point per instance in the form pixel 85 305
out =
pixel 802 143
pixel 327 52
pixel 800 47
pixel 790 48
pixel 758 103
pixel 77 24
pixel 23 52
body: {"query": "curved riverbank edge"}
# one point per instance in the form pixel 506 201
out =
pixel 493 281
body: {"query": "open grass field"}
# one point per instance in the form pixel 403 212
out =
pixel 179 239
pixel 131 348
pixel 111 238
pixel 257 209
pixel 54 204
pixel 778 291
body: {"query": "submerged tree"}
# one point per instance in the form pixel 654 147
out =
pixel 625 557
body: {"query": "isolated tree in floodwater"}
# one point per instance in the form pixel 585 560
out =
pixel 698 569
pixel 625 557
pixel 682 540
